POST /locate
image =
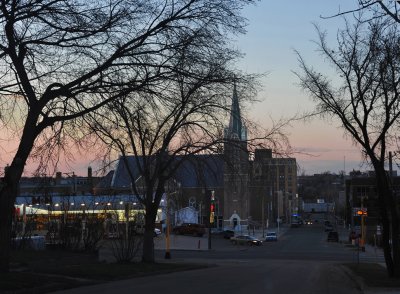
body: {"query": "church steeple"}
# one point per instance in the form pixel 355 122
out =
pixel 236 129
pixel 236 166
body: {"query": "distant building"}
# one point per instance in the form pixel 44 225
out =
pixel 318 207
pixel 361 195
pixel 273 182
pixel 43 188
pixel 43 199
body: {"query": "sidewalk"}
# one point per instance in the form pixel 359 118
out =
pixel 372 255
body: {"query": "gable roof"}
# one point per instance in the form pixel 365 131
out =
pixel 197 171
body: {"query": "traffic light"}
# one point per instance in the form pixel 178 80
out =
pixel 212 207
pixel 362 212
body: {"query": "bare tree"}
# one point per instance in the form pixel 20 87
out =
pixel 186 116
pixel 62 59
pixel 364 97
pixel 127 243
pixel 377 8
pixel 182 116
pixel 383 8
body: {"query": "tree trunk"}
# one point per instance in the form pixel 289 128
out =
pixel 9 191
pixel 148 238
pixel 8 195
pixel 390 222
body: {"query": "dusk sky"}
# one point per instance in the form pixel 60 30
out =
pixel 276 29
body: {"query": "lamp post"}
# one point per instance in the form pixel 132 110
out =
pixel 211 219
pixel 262 216
pixel 167 231
pixel 363 213
pixel 167 245
pixel 278 204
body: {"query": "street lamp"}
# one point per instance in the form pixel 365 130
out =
pixel 167 220
pixel 278 206
pixel 263 216
pixel 167 249
pixel 211 220
pixel 363 214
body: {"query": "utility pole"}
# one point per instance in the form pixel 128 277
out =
pixel 362 225
pixel 211 220
pixel 262 216
pixel 167 232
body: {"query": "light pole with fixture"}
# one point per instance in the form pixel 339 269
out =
pixel 167 249
pixel 167 231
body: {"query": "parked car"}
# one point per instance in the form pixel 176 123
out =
pixel 157 232
pixel 294 224
pixel 333 236
pixel 139 230
pixel 246 240
pixel 271 236
pixel 227 234
pixel 189 229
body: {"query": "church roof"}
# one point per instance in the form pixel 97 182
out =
pixel 198 171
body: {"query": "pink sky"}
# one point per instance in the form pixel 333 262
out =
pixel 275 30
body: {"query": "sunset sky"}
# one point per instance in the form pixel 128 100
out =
pixel 275 29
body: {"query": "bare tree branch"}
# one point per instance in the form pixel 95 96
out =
pixel 63 59
pixel 366 103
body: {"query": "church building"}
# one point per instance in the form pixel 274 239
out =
pixel 247 192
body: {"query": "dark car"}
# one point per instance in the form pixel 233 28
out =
pixel 189 229
pixel 227 234
pixel 294 224
pixel 246 240
pixel 333 236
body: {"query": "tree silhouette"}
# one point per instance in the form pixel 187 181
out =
pixel 364 97
pixel 62 59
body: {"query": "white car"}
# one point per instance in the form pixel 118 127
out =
pixel 271 236
pixel 157 232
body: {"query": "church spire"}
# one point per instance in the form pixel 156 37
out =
pixel 236 129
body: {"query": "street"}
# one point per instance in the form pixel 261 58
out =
pixel 302 261
pixel 307 242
